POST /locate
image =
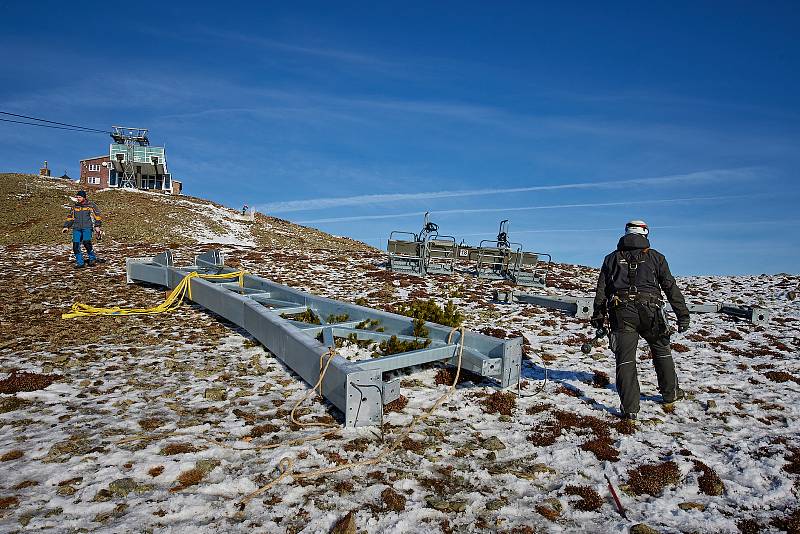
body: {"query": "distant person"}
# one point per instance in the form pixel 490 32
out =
pixel 244 209
pixel 84 218
pixel 629 292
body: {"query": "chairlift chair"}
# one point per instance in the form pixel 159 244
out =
pixel 423 252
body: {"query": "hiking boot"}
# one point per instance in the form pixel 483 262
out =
pixel 678 395
pixel 80 265
pixel 92 263
pixel 629 416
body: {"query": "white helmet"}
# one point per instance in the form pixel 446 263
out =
pixel 637 227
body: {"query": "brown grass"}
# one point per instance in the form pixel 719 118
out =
pixel 502 402
pixel 651 479
pixel 789 523
pixel 259 430
pixel 11 455
pixel 446 375
pixel 589 500
pixel 8 502
pixel 188 478
pixel 600 444
pixel 178 448
pixel 413 445
pixel 781 376
pixel 18 381
pixel 547 512
pixel 709 481
pixel 396 405
pixel 151 423
pixel 155 471
pixel 793 461
pixel 393 501
pixel 600 379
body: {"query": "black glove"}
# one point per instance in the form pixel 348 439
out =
pixel 683 324
pixel 597 321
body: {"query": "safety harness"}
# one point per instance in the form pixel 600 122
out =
pixel 633 263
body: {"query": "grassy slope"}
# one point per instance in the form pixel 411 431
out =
pixel 34 210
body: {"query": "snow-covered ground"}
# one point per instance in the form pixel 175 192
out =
pixel 145 406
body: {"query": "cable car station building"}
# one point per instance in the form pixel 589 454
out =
pixel 131 163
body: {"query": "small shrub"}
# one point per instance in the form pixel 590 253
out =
pixel 428 310
pixel 420 330
pixel 369 324
pixel 307 316
pixel 395 346
pixel 338 318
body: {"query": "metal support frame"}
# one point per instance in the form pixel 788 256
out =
pixel 580 307
pixel 752 314
pixel 357 388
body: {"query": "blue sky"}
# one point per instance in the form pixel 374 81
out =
pixel 567 119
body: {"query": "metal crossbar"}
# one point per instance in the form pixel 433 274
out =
pixel 357 388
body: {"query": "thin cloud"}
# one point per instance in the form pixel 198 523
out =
pixel 361 200
pixel 528 208
pixel 326 53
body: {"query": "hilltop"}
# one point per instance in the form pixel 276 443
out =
pixel 34 210
pixel 109 423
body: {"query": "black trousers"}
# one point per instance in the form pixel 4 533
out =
pixel 629 321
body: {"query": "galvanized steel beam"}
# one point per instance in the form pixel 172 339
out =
pixel 580 307
pixel 753 314
pixel 356 388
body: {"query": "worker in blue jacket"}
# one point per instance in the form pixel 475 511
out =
pixel 84 218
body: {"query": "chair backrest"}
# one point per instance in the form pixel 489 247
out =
pixel 405 248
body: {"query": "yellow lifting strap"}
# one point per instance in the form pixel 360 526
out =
pixel 171 303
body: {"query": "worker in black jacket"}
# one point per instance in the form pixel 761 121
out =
pixel 629 293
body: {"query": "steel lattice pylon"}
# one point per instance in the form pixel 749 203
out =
pixel 131 138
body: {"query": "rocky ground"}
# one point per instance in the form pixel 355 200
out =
pixel 141 424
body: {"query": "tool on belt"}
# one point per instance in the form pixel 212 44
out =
pixel 601 332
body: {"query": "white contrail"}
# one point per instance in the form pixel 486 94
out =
pixel 360 200
pixel 524 208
